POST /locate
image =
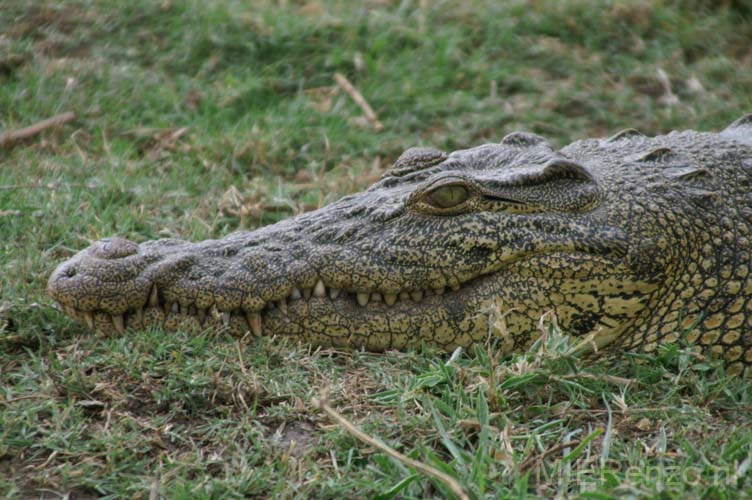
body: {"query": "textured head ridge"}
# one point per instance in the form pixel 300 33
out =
pixel 633 240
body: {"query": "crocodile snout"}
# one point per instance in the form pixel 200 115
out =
pixel 108 276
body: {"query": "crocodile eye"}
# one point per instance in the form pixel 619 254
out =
pixel 448 196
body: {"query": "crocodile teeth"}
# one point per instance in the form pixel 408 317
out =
pixel 154 297
pixel 295 294
pixel 390 298
pixel 225 318
pixel 454 284
pixel 254 321
pixel 417 295
pixel 319 290
pixel 201 315
pixel 334 293
pixel 282 305
pixel 119 323
pixel 439 290
pixel 363 298
pixel 89 317
pixel 175 307
pixel 307 293
pixel 404 295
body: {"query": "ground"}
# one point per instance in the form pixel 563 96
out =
pixel 195 119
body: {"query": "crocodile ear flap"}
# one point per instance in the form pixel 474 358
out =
pixel 740 130
pixel 561 168
pixel 414 159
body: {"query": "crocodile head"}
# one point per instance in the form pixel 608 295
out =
pixel 449 249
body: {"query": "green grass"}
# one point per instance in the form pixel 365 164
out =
pixel 268 136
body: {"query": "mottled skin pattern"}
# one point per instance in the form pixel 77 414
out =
pixel 636 240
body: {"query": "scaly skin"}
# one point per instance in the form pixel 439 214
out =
pixel 636 240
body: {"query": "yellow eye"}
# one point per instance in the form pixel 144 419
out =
pixel 448 196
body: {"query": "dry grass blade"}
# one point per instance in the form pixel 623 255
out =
pixel 533 461
pixel 11 138
pixel 348 87
pixel 154 490
pixel 323 405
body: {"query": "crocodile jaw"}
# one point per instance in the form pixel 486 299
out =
pixel 117 284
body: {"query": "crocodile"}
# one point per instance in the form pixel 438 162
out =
pixel 632 241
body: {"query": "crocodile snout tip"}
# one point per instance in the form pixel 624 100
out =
pixel 91 278
pixel 106 249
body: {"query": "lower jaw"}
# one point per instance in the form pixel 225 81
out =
pixel 318 321
pixel 439 323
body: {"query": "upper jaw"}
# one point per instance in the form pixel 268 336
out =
pixel 115 275
pixel 119 278
pixel 117 283
pixel 314 253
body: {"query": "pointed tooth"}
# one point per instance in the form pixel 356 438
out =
pixel 390 298
pixel 307 293
pixel 201 315
pixel 404 295
pixel 334 293
pixel 154 297
pixel 225 318
pixel 295 294
pixel 363 298
pixel 439 290
pixel 282 305
pixel 319 290
pixel 118 322
pixel 254 322
pixel 454 284
pixel 175 307
pixel 417 295
pixel 89 317
pixel 375 297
